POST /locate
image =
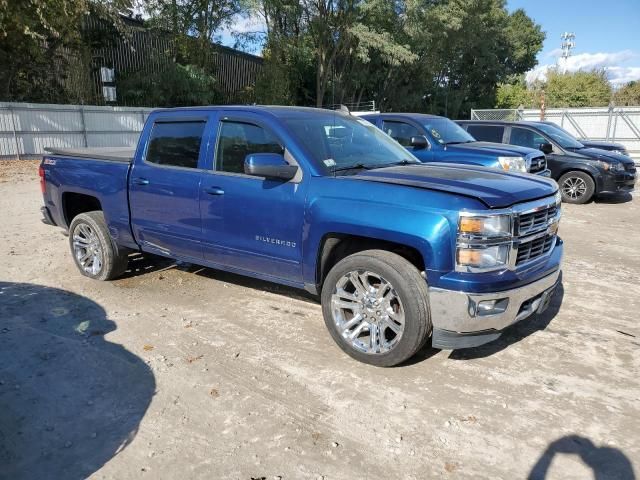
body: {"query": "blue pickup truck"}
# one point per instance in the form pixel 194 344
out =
pixel 431 138
pixel 398 251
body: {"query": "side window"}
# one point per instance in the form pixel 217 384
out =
pixel 175 143
pixel 526 138
pixel 401 132
pixel 239 139
pixel 486 133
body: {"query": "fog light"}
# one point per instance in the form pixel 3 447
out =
pixel 491 307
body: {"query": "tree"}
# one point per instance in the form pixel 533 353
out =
pixel 514 94
pixel 628 95
pixel 39 39
pixel 193 24
pixel 577 89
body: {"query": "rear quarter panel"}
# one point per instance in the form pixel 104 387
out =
pixel 105 180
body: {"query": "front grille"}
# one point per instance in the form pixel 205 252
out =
pixel 532 221
pixel 538 164
pixel 534 248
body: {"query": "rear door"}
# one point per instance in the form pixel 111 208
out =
pixel 165 186
pixel 487 133
pixel 251 223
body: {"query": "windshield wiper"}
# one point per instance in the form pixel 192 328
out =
pixel 401 162
pixel 355 166
pixel 457 143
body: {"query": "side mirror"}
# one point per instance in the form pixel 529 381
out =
pixel 546 148
pixel 269 165
pixel 419 141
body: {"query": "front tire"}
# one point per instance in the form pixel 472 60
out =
pixel 576 187
pixel 375 305
pixel 93 250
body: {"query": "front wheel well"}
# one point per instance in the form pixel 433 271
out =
pixel 73 204
pixel 335 247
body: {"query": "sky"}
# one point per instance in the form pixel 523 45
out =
pixel 607 35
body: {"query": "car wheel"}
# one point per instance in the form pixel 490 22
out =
pixel 576 187
pixel 375 305
pixel 93 250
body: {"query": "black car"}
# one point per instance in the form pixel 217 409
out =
pixel 580 171
pixel 602 145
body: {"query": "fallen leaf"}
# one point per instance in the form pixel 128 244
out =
pixel 214 393
pixel 147 348
pixel 450 467
pixel 193 359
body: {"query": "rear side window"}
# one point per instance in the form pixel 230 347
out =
pixel 176 144
pixel 486 133
pixel 239 139
pixel 401 132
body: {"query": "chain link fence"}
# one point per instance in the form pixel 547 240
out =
pixel 616 124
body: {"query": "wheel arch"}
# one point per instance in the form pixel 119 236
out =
pixel 75 203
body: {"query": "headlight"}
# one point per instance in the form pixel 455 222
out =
pixel 491 257
pixel 613 166
pixel 485 225
pixel 513 164
pixel 483 242
pixel 558 197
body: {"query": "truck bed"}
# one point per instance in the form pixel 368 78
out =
pixel 112 154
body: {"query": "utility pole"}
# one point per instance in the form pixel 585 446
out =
pixel 568 44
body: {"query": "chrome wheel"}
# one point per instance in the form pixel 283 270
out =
pixel 367 312
pixel 574 187
pixel 87 249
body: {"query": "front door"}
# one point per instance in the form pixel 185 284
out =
pixel 402 132
pixel 165 188
pixel 251 223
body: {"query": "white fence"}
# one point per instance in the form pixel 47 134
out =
pixel 26 129
pixel 618 124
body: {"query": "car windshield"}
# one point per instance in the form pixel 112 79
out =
pixel 560 136
pixel 339 142
pixel 446 132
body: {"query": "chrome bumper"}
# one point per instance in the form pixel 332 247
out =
pixel 460 313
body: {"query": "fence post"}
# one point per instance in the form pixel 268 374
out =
pixel 15 135
pixel 84 126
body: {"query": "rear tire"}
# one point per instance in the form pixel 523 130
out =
pixel 96 255
pixel 375 305
pixel 576 187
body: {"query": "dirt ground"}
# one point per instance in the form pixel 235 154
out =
pixel 183 372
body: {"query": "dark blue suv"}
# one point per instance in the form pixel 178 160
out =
pixel 437 139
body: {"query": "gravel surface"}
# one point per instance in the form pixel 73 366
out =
pixel 185 372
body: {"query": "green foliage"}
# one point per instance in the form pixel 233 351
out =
pixel 628 95
pixel 514 95
pixel 40 40
pixel 577 89
pixel 179 85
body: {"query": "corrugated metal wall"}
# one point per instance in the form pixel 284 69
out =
pixel 27 129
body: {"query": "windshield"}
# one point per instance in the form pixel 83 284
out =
pixel 446 132
pixel 560 136
pixel 338 142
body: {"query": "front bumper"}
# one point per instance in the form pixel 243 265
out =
pixel 619 182
pixel 459 320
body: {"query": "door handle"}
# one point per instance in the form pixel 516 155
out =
pixel 214 191
pixel 141 181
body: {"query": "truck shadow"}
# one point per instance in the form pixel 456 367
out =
pixel 605 462
pixel 516 332
pixel 69 400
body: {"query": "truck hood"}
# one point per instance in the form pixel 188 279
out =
pixel 494 188
pixel 497 149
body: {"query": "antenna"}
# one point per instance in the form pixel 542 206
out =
pixel 568 44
